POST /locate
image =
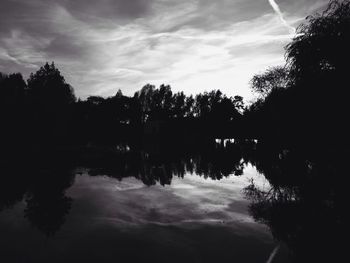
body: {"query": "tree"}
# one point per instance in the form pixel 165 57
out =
pixel 48 87
pixel 95 100
pixel 12 111
pixel 238 103
pixel 156 104
pixel 166 97
pixel 273 78
pixel 51 100
pixel 318 59
pixel 189 104
pixel 119 94
pixel 12 88
pixel 144 98
pixel 322 43
pixel 179 105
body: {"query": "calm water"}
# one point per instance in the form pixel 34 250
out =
pixel 80 217
pixel 216 202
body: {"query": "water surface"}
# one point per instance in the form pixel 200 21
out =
pixel 77 217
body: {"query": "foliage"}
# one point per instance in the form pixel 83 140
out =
pixel 321 44
pixel 273 78
pixel 47 86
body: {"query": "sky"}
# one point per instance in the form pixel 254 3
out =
pixel 192 45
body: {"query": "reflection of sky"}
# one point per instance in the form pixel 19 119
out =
pixel 192 220
pixel 191 199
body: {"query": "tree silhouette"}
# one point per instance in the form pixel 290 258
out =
pixel 317 60
pixel 47 204
pixel 273 78
pixel 179 107
pixel 144 97
pixel 48 87
pixel 50 101
pixel 322 44
pixel 12 88
pixel 13 116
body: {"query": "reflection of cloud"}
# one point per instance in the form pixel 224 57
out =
pixel 126 186
pixel 187 200
pixel 182 186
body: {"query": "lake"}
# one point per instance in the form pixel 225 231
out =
pixel 197 208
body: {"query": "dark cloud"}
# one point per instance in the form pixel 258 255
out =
pixel 35 16
pixel 62 46
pixel 21 15
pixel 118 10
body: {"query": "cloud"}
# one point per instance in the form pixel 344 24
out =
pixel 103 46
pixel 105 12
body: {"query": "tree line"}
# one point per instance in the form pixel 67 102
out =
pixel 45 111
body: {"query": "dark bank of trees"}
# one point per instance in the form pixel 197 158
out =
pixel 305 102
pixel 43 113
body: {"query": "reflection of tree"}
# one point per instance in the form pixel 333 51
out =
pixel 47 204
pixel 46 212
pixel 210 161
pixel 12 188
pixel 219 163
pixel 305 211
pixel 43 191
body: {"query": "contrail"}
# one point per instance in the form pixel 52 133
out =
pixel 273 254
pixel 277 9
